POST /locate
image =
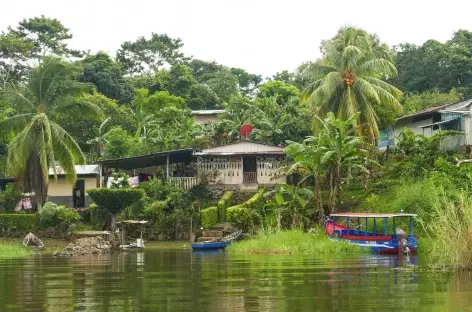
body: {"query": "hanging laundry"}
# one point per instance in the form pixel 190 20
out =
pixel 18 206
pixel 27 204
pixel 134 181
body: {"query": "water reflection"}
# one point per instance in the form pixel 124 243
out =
pixel 185 281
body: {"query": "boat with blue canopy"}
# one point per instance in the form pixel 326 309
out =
pixel 374 231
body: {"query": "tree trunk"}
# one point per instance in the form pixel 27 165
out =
pixel 294 219
pixel 318 199
pixel 279 220
pixel 332 190
pixel 337 184
pixel 35 181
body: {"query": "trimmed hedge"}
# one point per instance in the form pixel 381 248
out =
pixel 209 217
pixel 239 216
pixel 254 199
pixel 224 203
pixel 115 200
pixel 20 222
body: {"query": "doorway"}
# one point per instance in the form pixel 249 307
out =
pixel 249 169
pixel 78 194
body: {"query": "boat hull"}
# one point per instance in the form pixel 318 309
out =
pixel 209 246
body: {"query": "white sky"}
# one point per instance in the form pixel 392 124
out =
pixel 261 36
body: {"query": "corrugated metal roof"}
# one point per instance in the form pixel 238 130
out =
pixel 208 112
pixel 242 148
pixel 79 169
pixel 149 160
pixel 429 110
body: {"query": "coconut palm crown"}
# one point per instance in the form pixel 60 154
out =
pixel 350 78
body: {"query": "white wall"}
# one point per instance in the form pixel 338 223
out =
pixel 414 126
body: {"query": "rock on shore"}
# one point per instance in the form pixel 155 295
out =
pixel 85 246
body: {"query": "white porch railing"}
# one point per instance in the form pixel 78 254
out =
pixel 183 182
pixel 249 177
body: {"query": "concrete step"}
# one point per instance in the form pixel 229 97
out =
pixel 253 187
pixel 212 233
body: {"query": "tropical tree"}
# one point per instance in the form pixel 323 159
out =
pixel 291 198
pixel 350 78
pixel 39 141
pixel 341 152
pixel 98 142
pixel 307 162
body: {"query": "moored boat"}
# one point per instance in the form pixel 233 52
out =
pixel 217 244
pixel 367 235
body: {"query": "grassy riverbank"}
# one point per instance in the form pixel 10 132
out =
pixel 9 251
pixel 293 242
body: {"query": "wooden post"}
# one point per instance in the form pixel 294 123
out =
pixel 167 167
pixel 122 234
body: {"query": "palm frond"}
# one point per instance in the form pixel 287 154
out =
pixel 378 66
pixel 15 123
pixel 77 107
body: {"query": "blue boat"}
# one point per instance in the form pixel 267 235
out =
pixel 376 241
pixel 220 244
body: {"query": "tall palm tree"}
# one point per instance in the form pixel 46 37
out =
pixel 40 142
pixel 350 78
pixel 98 142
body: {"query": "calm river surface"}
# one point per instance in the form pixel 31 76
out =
pixel 184 281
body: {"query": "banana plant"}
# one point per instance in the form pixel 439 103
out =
pixel 291 198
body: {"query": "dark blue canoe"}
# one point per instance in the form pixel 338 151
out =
pixel 221 244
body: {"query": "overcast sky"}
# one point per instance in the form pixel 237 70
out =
pixel 261 36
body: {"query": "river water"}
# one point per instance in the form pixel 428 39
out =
pixel 172 280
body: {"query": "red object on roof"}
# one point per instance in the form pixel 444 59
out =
pixel 245 129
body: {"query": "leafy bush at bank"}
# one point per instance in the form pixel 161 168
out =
pixel 19 222
pixel 54 216
pixel 209 217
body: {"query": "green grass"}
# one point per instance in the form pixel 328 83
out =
pixel 167 245
pixel 9 251
pixel 294 242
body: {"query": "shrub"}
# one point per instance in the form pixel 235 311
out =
pixel 98 215
pixel 115 200
pixel 223 203
pixel 239 216
pixel 9 198
pixel 62 217
pixel 209 217
pixel 155 208
pixel 21 222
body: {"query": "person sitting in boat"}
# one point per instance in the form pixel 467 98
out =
pixel 402 241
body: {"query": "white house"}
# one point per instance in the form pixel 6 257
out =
pixel 455 116
pixel 240 164
pixel 206 116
